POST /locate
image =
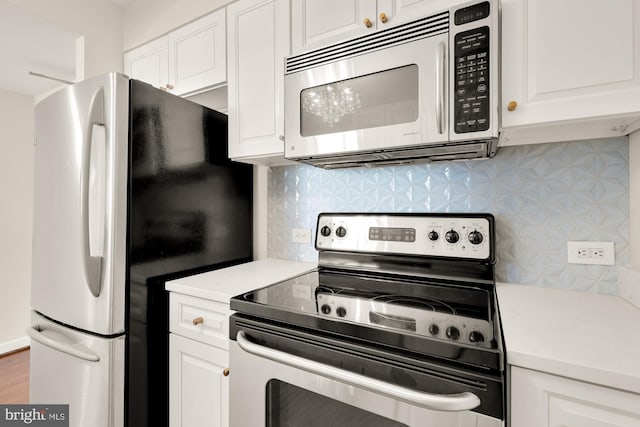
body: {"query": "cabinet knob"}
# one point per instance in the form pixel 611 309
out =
pixel 163 88
pixel 512 105
pixel 383 18
pixel 281 138
pixel 197 320
pixel 170 86
pixel 367 22
pixel 225 372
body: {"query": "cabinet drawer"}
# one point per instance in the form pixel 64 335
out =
pixel 543 400
pixel 199 319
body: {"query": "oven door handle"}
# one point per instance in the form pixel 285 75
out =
pixel 439 402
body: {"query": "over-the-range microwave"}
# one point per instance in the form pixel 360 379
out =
pixel 423 90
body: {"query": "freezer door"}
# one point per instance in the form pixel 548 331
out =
pixel 81 370
pixel 81 152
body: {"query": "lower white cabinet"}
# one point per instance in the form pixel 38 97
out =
pixel 198 363
pixel 543 400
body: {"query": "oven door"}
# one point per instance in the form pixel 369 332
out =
pixel 386 99
pixel 276 389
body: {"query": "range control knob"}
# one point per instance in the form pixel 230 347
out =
pixel 341 311
pixel 476 336
pixel 341 231
pixel 475 237
pixel 325 309
pixel 433 235
pixel 325 231
pixel 434 329
pixel 453 333
pixel 452 236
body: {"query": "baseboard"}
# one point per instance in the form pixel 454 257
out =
pixel 13 345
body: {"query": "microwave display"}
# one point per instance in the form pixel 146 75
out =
pixel 472 13
pixel 384 98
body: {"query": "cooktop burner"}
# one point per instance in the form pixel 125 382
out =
pixel 421 283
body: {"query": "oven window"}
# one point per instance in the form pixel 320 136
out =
pixel 386 98
pixel 291 406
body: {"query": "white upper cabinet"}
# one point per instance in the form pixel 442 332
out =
pixel 318 23
pixel 572 66
pixel 257 43
pixel 187 60
pixel 197 54
pixel 149 63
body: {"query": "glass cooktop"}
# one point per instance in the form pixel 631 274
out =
pixel 452 312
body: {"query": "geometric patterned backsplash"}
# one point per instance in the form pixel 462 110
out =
pixel 541 195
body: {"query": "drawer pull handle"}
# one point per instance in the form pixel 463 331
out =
pixel 197 321
pixel 225 372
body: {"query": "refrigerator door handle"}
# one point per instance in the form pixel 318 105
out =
pixel 71 348
pixel 93 188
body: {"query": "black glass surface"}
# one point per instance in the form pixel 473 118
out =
pixel 300 294
pixel 289 405
pixel 189 210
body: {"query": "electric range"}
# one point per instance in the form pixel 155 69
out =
pixel 407 299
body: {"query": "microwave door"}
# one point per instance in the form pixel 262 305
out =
pixel 385 99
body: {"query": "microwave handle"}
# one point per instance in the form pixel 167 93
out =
pixel 439 402
pixel 441 62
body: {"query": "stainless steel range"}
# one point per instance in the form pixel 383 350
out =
pixel 398 326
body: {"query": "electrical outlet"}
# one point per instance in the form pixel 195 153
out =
pixel 301 235
pixel 600 253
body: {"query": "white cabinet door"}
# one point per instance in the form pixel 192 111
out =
pixel 569 60
pixel 544 400
pixel 198 386
pixel 197 54
pixel 318 23
pixel 400 11
pixel 149 63
pixel 257 43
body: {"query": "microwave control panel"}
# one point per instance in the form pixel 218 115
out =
pixel 472 103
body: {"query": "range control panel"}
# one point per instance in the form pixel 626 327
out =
pixel 406 318
pixel 443 235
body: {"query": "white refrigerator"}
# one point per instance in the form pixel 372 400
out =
pixel 133 187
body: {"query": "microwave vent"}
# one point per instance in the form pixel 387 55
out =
pixel 470 150
pixel 414 30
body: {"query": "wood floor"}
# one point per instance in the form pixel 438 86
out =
pixel 14 377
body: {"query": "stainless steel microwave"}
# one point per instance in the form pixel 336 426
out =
pixel 423 90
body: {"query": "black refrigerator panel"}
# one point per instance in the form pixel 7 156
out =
pixel 189 211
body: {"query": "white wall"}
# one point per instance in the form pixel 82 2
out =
pixel 145 20
pixel 101 23
pixel 634 198
pixel 16 183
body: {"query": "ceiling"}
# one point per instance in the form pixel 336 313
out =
pixel 122 3
pixel 31 44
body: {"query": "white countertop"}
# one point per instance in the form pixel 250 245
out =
pixel 221 285
pixel 580 335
